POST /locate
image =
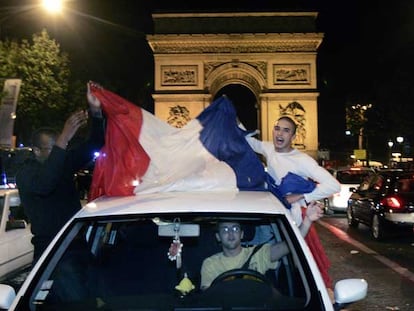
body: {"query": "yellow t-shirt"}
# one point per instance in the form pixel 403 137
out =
pixel 215 265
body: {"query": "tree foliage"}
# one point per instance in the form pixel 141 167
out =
pixel 356 120
pixel 44 97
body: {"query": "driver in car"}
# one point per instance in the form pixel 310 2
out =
pixel 235 256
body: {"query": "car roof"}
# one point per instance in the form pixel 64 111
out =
pixel 3 192
pixel 181 202
pixel 396 172
pixel 354 168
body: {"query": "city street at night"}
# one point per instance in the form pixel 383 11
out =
pixel 387 266
pixel 212 101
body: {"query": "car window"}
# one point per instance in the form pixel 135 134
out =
pixel 405 185
pixel 125 264
pixel 365 184
pixel 351 176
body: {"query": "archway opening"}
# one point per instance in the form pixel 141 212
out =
pixel 244 102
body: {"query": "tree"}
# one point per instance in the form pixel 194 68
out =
pixel 44 70
pixel 356 120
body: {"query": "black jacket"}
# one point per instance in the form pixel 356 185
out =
pixel 48 191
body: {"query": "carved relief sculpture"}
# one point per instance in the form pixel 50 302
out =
pixel 178 75
pixel 292 74
pixel 295 111
pixel 179 116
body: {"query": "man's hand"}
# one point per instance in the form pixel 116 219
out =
pixel 294 197
pixel 72 124
pixel 94 103
pixel 314 211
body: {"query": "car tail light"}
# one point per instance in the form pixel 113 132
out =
pixel 392 202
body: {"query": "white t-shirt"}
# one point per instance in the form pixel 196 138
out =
pixel 297 162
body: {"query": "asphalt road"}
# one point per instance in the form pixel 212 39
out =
pixel 385 266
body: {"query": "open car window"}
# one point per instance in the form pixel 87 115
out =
pixel 129 264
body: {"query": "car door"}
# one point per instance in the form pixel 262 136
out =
pixel 369 195
pixel 16 250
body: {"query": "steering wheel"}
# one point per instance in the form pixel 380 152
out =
pixel 237 274
pixel 242 287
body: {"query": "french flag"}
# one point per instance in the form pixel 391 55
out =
pixel 143 154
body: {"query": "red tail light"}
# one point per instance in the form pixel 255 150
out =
pixel 392 202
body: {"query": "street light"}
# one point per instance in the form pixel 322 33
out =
pixel 58 7
pixel 53 6
pixel 390 144
pixel 400 140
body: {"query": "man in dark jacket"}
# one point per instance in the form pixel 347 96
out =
pixel 46 182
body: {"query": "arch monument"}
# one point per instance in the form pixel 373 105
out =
pixel 272 54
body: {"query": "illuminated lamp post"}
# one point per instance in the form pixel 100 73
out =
pixel 52 6
pixel 390 145
pixel 400 140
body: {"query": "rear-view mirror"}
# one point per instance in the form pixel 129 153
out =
pixel 182 230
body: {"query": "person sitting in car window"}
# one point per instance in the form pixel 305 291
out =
pixel 234 255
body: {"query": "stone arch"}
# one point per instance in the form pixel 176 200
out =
pixel 245 103
pixel 235 73
pixel 272 54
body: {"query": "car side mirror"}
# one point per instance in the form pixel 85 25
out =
pixel 348 291
pixel 15 224
pixel 7 295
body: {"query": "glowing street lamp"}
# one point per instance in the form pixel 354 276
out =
pixel 58 6
pixel 52 6
pixel 390 144
pixel 400 140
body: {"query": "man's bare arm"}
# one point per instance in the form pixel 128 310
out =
pixel 313 212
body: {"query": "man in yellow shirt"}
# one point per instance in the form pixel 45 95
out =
pixel 234 255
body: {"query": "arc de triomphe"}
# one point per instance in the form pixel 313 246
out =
pixel 272 55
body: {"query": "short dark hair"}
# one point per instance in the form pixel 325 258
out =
pixel 43 131
pixel 290 120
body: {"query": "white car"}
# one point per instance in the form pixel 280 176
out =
pixel 145 252
pixel 348 177
pixel 16 250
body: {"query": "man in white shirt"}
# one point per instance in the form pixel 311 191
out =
pixel 281 159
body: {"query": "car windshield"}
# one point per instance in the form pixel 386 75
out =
pixel 351 176
pixel 154 262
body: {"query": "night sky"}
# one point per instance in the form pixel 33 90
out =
pixel 366 56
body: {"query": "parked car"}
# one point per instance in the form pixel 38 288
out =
pixel 16 250
pixel 348 177
pixel 145 252
pixel 11 159
pixel 385 202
